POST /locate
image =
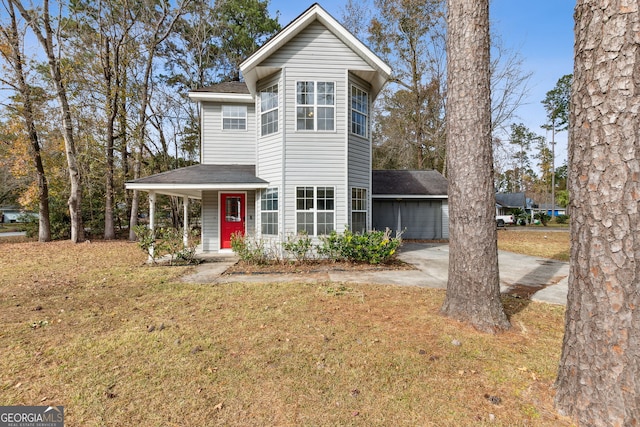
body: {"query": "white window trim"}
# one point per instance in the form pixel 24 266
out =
pixel 277 211
pixel 315 106
pixel 276 108
pixel 315 209
pixel 351 110
pixel 365 210
pixel 244 107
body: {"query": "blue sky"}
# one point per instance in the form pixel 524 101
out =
pixel 540 30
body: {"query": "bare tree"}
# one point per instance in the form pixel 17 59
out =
pixel 40 24
pixel 473 288
pixel 13 38
pixel 599 376
pixel 159 25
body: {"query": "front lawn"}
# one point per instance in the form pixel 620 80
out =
pixel 119 343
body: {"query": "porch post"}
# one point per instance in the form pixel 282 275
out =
pixel 152 220
pixel 185 221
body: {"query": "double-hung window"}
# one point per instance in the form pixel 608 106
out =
pixel 359 112
pixel 315 210
pixel 315 106
pixel 358 210
pixel 269 110
pixel 234 117
pixel 269 211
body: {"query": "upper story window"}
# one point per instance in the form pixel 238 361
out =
pixel 359 112
pixel 315 105
pixel 269 110
pixel 234 117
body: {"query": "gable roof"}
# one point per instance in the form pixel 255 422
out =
pixel 252 72
pixel 412 183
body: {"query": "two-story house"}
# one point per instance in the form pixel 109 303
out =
pixel 287 150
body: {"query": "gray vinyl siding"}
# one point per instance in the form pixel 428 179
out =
pixel 359 161
pixel 270 148
pixel 223 147
pixel 210 221
pixel 315 158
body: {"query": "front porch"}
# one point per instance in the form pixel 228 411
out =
pixel 227 193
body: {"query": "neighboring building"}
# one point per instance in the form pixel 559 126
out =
pixel 412 201
pixel 289 149
pixel 509 203
pixel 546 208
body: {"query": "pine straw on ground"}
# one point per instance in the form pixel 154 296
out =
pixel 118 342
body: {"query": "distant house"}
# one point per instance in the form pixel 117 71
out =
pixel 508 203
pixel 288 150
pixel 546 208
pixel 412 201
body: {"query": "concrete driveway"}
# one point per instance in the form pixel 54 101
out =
pixel 521 275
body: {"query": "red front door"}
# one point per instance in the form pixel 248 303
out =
pixel 232 212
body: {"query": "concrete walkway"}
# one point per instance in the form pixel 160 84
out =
pixel 520 275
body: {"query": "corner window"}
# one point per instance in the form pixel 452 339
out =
pixel 315 106
pixel 269 110
pixel 358 210
pixel 315 210
pixel 234 117
pixel 359 112
pixel 269 211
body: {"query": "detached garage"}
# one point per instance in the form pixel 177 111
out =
pixel 413 201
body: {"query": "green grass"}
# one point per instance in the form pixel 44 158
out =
pixel 118 342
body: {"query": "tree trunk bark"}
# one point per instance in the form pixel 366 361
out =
pixel 473 288
pixel 45 37
pixel 599 374
pixel 44 224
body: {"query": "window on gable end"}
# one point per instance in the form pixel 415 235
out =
pixel 315 106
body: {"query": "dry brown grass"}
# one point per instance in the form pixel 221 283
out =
pixel 539 242
pixel 119 343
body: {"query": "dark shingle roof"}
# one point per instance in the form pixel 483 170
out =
pixel 511 200
pixel 225 87
pixel 205 174
pixel 408 182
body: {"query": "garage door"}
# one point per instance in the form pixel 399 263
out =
pixel 420 219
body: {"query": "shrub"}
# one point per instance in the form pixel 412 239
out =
pixel 168 241
pixel 373 247
pixel 562 219
pixel 299 245
pixel 543 217
pixel 249 249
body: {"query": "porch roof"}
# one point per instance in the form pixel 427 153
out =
pixel 191 181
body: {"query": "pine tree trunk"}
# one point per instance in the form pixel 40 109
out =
pixel 473 288
pixel 599 375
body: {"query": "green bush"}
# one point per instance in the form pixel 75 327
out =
pixel 373 247
pixel 249 249
pixel 562 219
pixel 168 242
pixel 299 245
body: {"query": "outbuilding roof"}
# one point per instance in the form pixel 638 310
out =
pixel 412 183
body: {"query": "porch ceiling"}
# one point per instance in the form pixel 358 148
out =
pixel 191 181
